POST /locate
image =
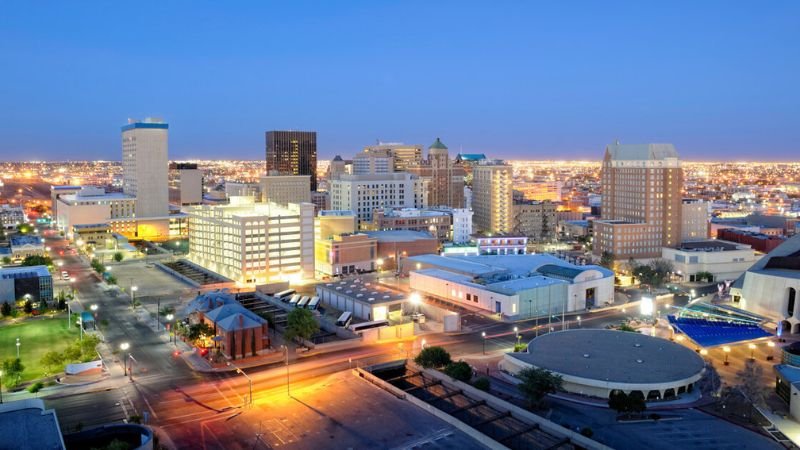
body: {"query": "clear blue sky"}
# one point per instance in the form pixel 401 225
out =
pixel 511 79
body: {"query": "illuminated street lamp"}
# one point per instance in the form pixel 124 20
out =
pixel 752 348
pixel 124 347
pixel 727 350
pixel 133 296
pixel 415 300
pixel 172 330
pixel 18 344
pixel 249 381
pixel 483 335
pixel 579 321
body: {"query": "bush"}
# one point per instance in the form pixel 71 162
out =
pixel 118 256
pixel 537 383
pixel 519 347
pixel 5 309
pixel 460 371
pixel 35 387
pixel 483 384
pixel 28 307
pixel 433 357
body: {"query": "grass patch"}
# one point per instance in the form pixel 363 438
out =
pixel 37 337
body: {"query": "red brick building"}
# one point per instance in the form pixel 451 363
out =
pixel 760 242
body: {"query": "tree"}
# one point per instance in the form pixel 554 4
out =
pixel 35 387
pixel 52 359
pixel 5 309
pixel 300 323
pixel 118 256
pixel 37 260
pixel 433 357
pixel 6 260
pixel 607 260
pixel 12 370
pixel 636 403
pixel 28 307
pixel 536 383
pixel 195 331
pixel 618 401
pixel 482 383
pixel 704 275
pixel 460 371
pixel 24 228
pixel 89 347
pixel 626 327
pixel 749 385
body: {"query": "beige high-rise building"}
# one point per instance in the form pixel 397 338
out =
pixel 492 197
pixel 536 220
pixel 145 166
pixel 444 178
pixel 695 217
pixel 285 189
pixel 403 155
pixel 641 203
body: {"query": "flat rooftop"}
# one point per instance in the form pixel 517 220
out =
pixel 399 235
pixel 711 245
pixel 613 356
pixel 365 292
pixel 26 424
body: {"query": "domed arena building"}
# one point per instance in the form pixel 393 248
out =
pixel 597 362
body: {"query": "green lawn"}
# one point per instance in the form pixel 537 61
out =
pixel 37 337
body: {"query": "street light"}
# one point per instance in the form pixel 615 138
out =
pixel 286 348
pixel 727 350
pixel 483 335
pixel 752 348
pixel 124 347
pixel 579 321
pixel 249 381
pixel 18 344
pixel 172 330
pixel 415 300
pixel 1 387
pixel 133 296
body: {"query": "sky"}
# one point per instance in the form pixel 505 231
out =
pixel 512 79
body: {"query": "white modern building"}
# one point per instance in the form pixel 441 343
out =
pixel 253 243
pixel 513 286
pixel 11 216
pixel 285 189
pixel 363 194
pixel 373 162
pixel 722 259
pixel 93 205
pixel 145 166
pixel 770 287
pixel 462 225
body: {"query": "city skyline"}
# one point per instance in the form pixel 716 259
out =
pixel 520 81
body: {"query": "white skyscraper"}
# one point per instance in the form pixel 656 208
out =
pixel 145 166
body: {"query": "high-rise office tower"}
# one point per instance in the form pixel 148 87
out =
pixel 641 203
pixel 404 155
pixel 293 153
pixel 145 166
pixel 444 177
pixel 492 197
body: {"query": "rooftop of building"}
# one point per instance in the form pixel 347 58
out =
pixel 336 212
pixel 712 245
pixel 90 226
pixel 644 152
pixel 437 145
pixel 27 424
pixel 752 234
pixel 17 241
pixel 246 207
pixel 399 235
pixel 64 187
pixel 365 292
pixel 789 373
pixel 392 176
pixel 470 157
pixel 612 356
pixel 514 286
pixel 24 272
pixel 147 122
pixel 483 235
pixel 413 212
pixel 93 193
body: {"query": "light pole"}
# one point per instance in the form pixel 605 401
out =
pixel 727 350
pixel 124 347
pixel 133 296
pixel 1 387
pixel 379 262
pixel 18 344
pixel 483 335
pixel 752 348
pixel 415 299
pixel 579 321
pixel 249 381
pixel 286 349
pixel 171 328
